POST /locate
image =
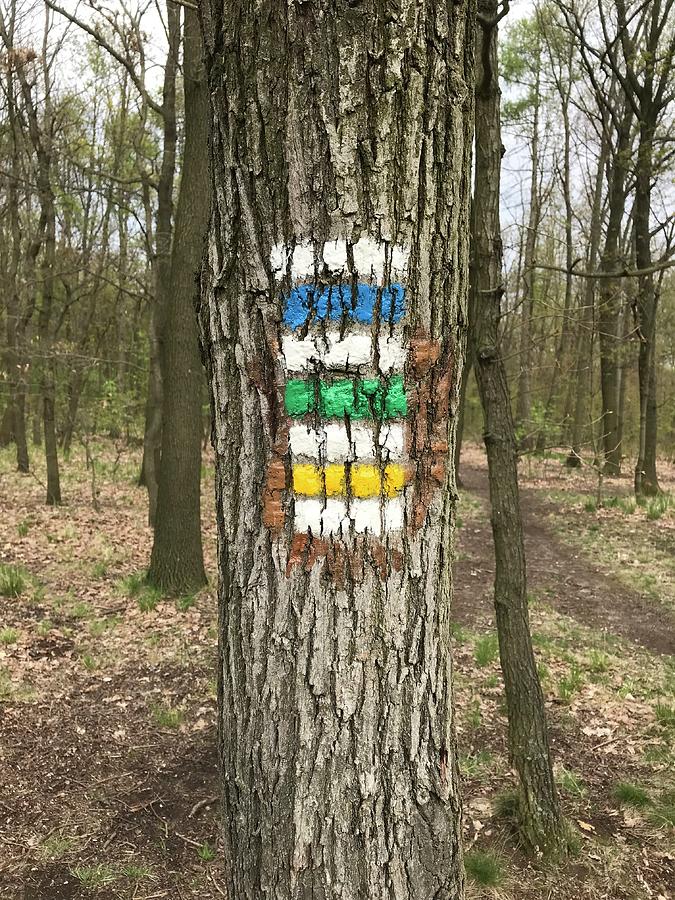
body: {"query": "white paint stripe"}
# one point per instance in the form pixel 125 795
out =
pixel 299 354
pixel 334 443
pixel 311 515
pixel 393 514
pixel 331 443
pixel 304 442
pixel 356 349
pixel 369 259
pixel 392 354
pixel 334 518
pixel 367 516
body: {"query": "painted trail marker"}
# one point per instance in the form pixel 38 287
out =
pixel 361 425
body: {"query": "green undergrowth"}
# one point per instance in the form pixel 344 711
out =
pixel 484 868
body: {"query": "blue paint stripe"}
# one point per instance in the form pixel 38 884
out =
pixel 335 301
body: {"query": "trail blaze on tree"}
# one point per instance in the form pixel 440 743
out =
pixel 332 299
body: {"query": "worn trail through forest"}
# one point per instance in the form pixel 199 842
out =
pixel 571 581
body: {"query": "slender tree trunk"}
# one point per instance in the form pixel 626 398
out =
pixel 609 299
pixel 74 391
pixel 527 297
pixel 466 374
pixel 177 562
pixel 541 821
pixel 646 480
pixel 161 265
pixel 561 363
pixel 581 423
pixel 48 367
pixel 16 321
pixel 340 158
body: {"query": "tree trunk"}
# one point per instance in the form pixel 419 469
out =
pixel 581 424
pixel 646 481
pixel 161 265
pixel 74 391
pixel 48 366
pixel 177 562
pixel 333 289
pixel 610 299
pixel 17 321
pixel 540 820
pixel 461 411
pixel 527 297
pixel 561 364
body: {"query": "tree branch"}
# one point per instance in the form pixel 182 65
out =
pixel 622 273
pixel 108 47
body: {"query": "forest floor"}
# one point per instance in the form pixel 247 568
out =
pixel 108 781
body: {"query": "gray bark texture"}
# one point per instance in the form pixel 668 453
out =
pixel 334 120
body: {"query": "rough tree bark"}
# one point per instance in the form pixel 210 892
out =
pixel 177 561
pixel 541 822
pixel 348 124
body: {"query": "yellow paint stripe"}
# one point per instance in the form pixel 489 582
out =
pixel 366 480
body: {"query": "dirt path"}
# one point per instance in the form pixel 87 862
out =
pixel 568 580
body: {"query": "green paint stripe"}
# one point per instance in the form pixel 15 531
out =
pixel 358 398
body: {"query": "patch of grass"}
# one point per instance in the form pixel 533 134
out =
pixel 458 632
pixel 183 604
pixel 94 876
pixel 628 794
pixel 136 585
pixel 13 581
pixel 598 662
pixel 57 845
pixel 474 763
pixel 23 528
pixel 660 754
pixel 99 569
pixel 133 584
pixel 628 506
pixel 8 635
pixel 474 716
pixel 89 662
pixel 541 640
pixel 81 610
pixel 658 506
pixel 44 626
pixel 486 650
pixel 136 872
pixel 665 715
pixel 663 812
pixel 100 626
pixel 591 505
pixel 167 717
pixel 571 783
pixel 570 684
pixel 507 806
pixel 484 868
pixel 148 600
pixel 206 852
